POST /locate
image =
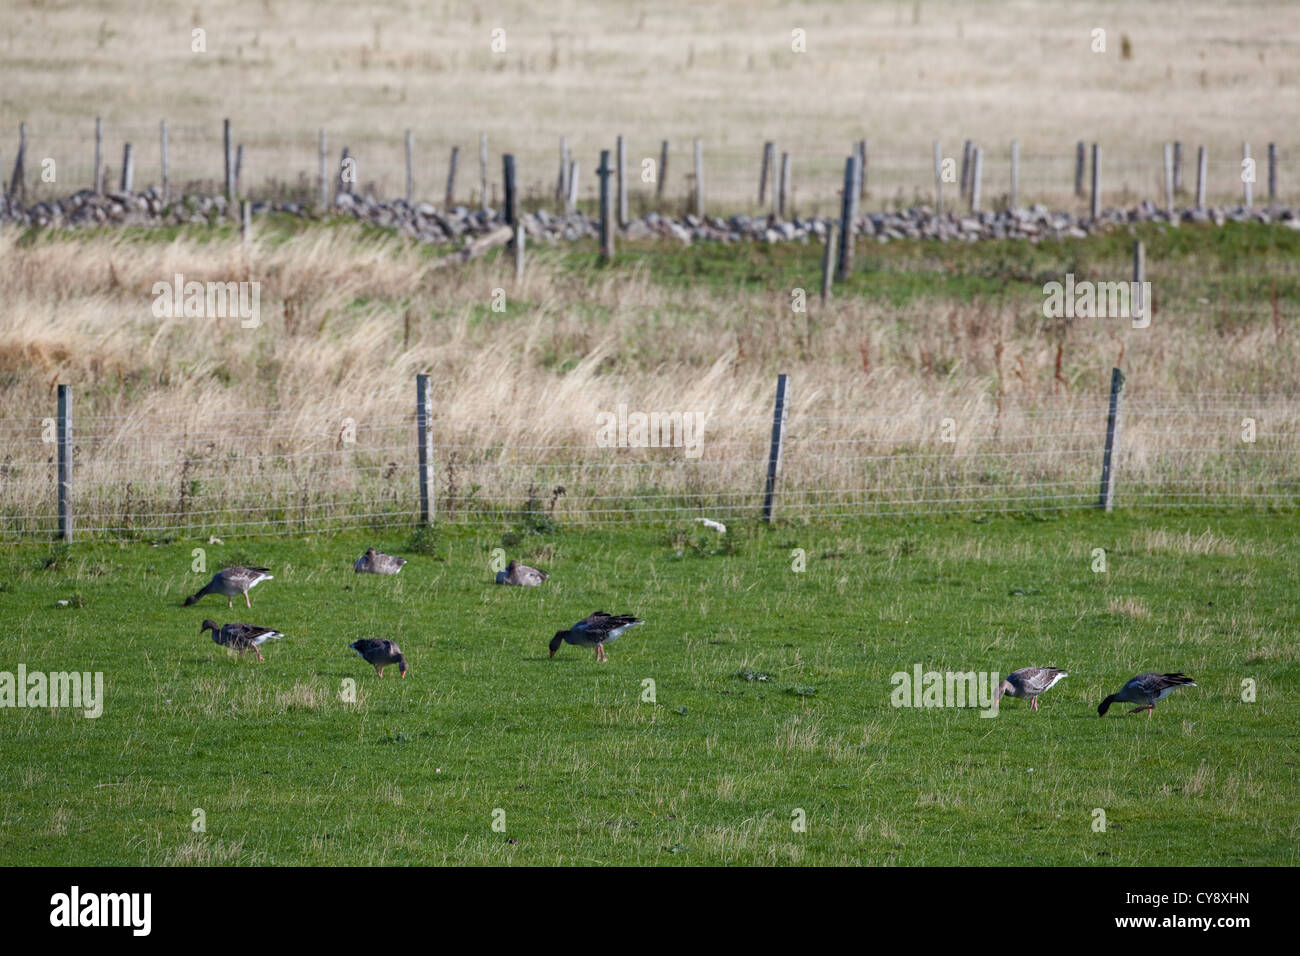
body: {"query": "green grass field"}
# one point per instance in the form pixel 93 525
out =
pixel 712 772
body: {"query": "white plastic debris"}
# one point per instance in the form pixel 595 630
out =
pixel 717 526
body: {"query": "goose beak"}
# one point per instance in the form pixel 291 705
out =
pixel 552 654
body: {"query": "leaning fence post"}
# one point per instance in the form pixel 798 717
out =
pixel 18 183
pixel 1169 180
pixel 65 462
pixel 621 182
pixel 766 170
pixel 699 179
pixel 451 177
pixel 828 262
pixel 848 214
pixel 162 152
pixel 423 424
pixel 779 415
pixel 128 168
pixel 1095 205
pixel 1107 499
pixel 1202 167
pixel 606 209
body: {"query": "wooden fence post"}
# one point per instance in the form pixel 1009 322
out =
pixel 229 152
pixel 1014 201
pixel 977 173
pixel 784 189
pixel 1246 183
pixel 1169 180
pixel 604 171
pixel 1107 499
pixel 571 204
pixel 965 169
pixel 848 215
pixel 862 169
pixel 324 171
pixel 938 179
pixel 65 462
pixel 18 182
pixel 1079 153
pixel 99 156
pixel 162 152
pixel 699 179
pixel 519 253
pixel 1138 303
pixel 482 171
pixel 1202 168
pixel 779 416
pixel 828 262
pixel 451 177
pixel 1178 167
pixel 245 221
pixel 1095 204
pixel 1272 173
pixel 766 170
pixel 622 182
pixel 239 168
pixel 410 166
pixel 128 168
pixel 424 429
pixel 562 181
pixel 663 170
pixel 512 194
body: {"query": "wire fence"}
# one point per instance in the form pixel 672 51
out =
pixel 283 164
pixel 317 469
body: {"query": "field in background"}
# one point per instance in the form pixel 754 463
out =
pixel 900 74
pixel 771 695
pixel 198 425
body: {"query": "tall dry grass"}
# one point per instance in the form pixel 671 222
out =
pixel 202 424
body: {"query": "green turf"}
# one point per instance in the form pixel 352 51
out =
pixel 713 771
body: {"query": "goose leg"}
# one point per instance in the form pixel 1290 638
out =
pixel 229 601
pixel 1033 703
pixel 247 601
pixel 259 655
pixel 379 670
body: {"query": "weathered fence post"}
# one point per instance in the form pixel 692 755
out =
pixel 1246 181
pixel 977 172
pixel 766 170
pixel 1169 180
pixel 424 430
pixel 482 171
pixel 128 168
pixel 410 166
pixel 848 215
pixel 229 152
pixel 1014 201
pixel 699 179
pixel 938 179
pixel 65 462
pixel 18 182
pixel 828 262
pixel 784 189
pixel 162 152
pixel 239 168
pixel 519 253
pixel 1139 304
pixel 1178 167
pixel 245 221
pixel 324 171
pixel 562 181
pixel 512 194
pixel 1202 168
pixel 779 415
pixel 451 177
pixel 622 183
pixel 571 204
pixel 1272 173
pixel 99 156
pixel 862 168
pixel 965 169
pixel 1107 499
pixel 604 171
pixel 663 170
pixel 1095 204
pixel 1079 152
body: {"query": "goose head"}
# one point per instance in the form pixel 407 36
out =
pixel 556 641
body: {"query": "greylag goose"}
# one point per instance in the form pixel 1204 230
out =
pixel 595 631
pixel 521 575
pixel 232 581
pixel 1030 682
pixel 241 637
pixel 376 562
pixel 1145 690
pixel 379 653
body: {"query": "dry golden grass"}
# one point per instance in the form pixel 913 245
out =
pixel 900 73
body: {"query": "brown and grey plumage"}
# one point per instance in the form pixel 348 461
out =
pixel 241 637
pixel 595 631
pixel 232 581
pixel 1029 682
pixel 376 562
pixel 379 652
pixel 1145 690
pixel 521 575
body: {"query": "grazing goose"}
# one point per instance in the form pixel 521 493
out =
pixel 1145 690
pixel 379 653
pixel 240 637
pixel 376 562
pixel 521 575
pixel 232 581
pixel 595 631
pixel 1030 682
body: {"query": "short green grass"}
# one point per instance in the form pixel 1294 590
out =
pixel 577 767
